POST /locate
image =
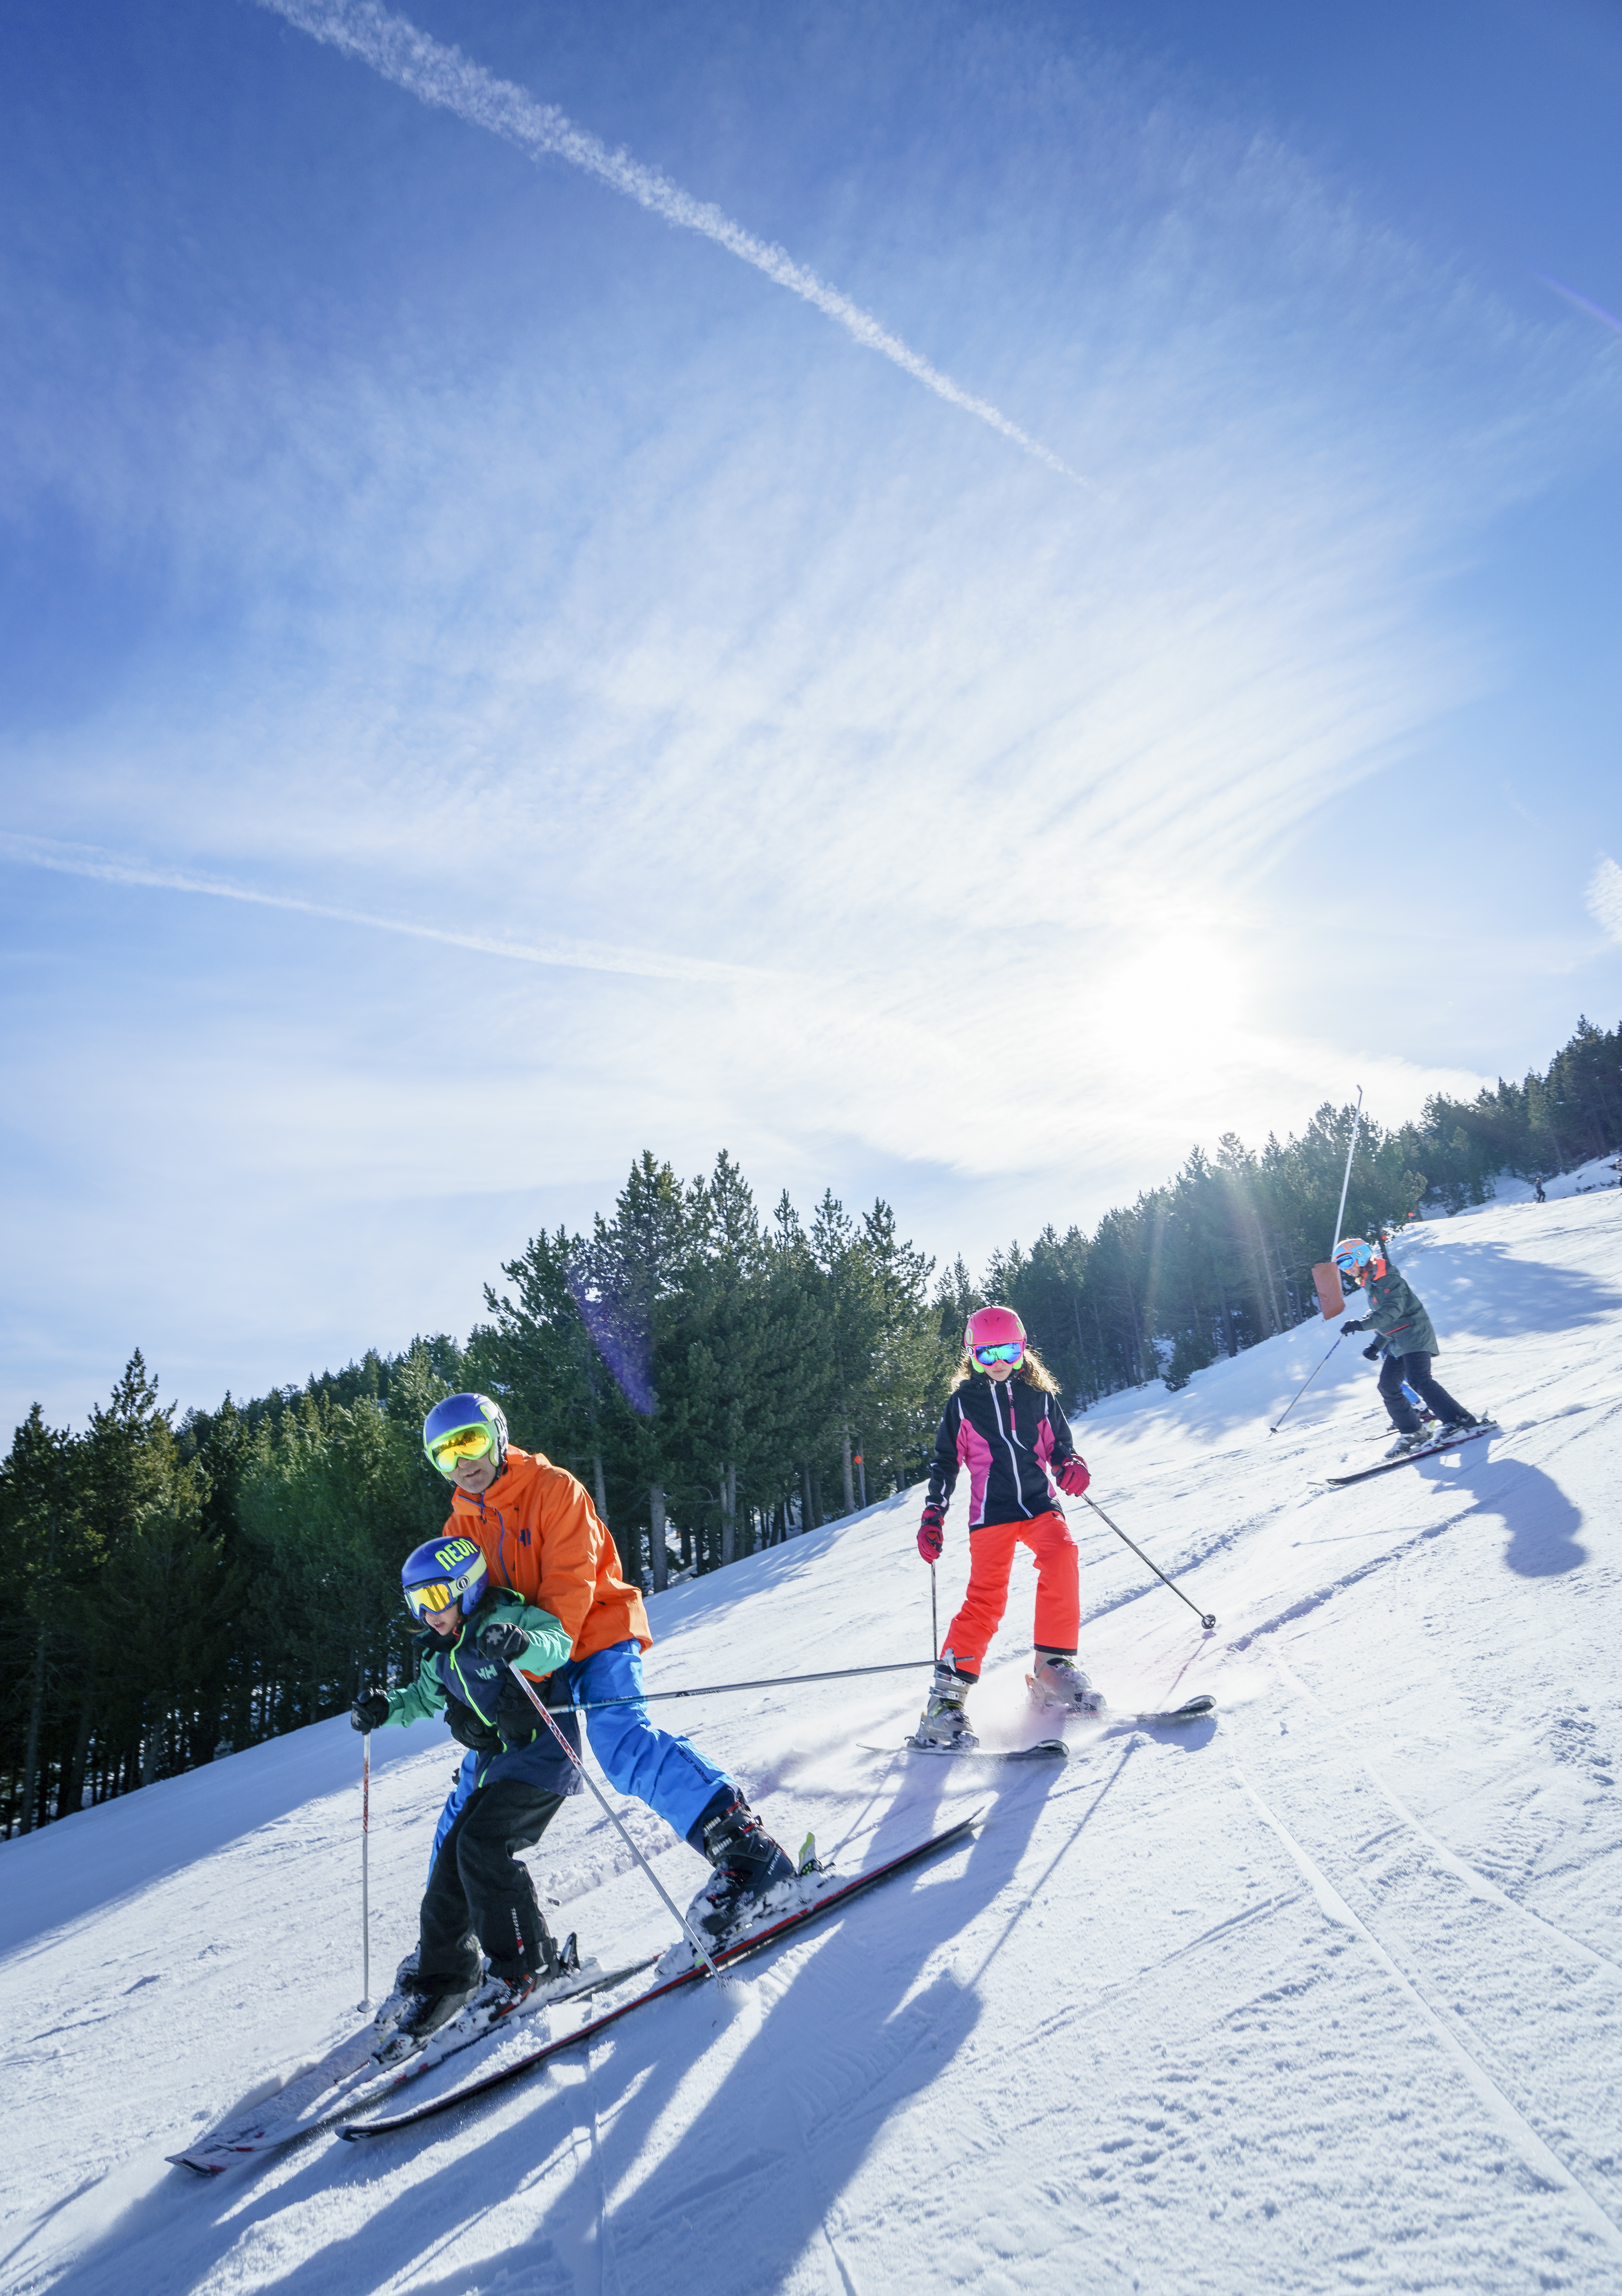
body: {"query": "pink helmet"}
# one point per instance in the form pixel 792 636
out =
pixel 994 1327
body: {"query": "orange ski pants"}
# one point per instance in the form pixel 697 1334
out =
pixel 991 1554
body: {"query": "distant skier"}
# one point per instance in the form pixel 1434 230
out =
pixel 1538 1186
pixel 540 1535
pixel 1005 1423
pixel 511 1785
pixel 1406 1345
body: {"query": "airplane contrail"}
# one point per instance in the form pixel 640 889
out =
pixel 444 77
pixel 584 956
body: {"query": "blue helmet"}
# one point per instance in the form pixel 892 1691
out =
pixel 465 1414
pixel 443 1571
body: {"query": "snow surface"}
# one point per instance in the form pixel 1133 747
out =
pixel 1325 1994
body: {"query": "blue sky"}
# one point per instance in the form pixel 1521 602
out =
pixel 491 680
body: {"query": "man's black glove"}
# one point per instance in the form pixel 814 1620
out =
pixel 1374 1352
pixel 503 1642
pixel 1355 1323
pixel 370 1712
pixel 469 1729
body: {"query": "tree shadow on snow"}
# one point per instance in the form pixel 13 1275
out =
pixel 729 2203
pixel 1484 1292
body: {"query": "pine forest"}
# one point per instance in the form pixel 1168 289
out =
pixel 720 1379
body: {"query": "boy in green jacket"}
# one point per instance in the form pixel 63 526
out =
pixel 1405 1344
pixel 512 1782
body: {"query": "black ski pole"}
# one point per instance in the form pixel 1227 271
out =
pixel 716 1689
pixel 1204 1616
pixel 1306 1383
pixel 934 1619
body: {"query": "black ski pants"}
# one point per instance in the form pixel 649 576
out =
pixel 1416 1371
pixel 478 1893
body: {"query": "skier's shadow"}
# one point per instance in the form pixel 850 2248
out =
pixel 1542 1522
pixel 846 2038
pixel 748 2184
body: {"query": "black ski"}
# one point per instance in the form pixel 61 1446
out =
pixel 1425 1451
pixel 351 2075
pixel 756 1940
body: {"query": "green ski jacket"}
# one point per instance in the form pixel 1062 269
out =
pixel 1392 1309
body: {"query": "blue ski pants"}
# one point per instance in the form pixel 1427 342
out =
pixel 637 1757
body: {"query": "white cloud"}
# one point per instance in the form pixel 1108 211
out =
pixel 1605 897
pixel 900 815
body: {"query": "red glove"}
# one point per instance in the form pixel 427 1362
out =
pixel 1073 1476
pixel 931 1532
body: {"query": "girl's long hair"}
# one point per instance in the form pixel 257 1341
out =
pixel 1030 1368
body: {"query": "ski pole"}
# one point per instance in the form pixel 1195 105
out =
pixel 693 1938
pixel 365 1895
pixel 1204 1616
pixel 1345 1180
pixel 718 1689
pixel 934 1619
pixel 1306 1383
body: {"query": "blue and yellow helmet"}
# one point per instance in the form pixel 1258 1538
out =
pixel 443 1571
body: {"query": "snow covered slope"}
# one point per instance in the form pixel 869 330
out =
pixel 1325 1995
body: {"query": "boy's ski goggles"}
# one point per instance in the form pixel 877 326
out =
pixel 1355 1253
pixel 462 1443
pixel 424 1601
pixel 1009 1351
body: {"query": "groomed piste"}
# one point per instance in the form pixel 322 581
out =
pixel 1322 1993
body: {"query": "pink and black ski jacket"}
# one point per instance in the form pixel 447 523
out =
pixel 1006 1433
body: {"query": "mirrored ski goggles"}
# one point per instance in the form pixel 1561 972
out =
pixel 438 1595
pixel 465 1443
pixel 1353 1255
pixel 1009 1351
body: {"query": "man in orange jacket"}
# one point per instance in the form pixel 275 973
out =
pixel 542 1537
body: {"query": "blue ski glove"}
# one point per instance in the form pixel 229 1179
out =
pixel 1356 1324
pixel 931 1533
pixel 370 1712
pixel 501 1643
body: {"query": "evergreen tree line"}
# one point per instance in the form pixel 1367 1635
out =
pixel 720 1382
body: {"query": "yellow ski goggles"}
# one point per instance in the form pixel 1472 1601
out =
pixel 475 1442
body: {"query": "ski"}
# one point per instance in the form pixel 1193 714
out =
pixel 756 1942
pixel 348 2078
pixel 1425 1451
pixel 1046 1750
pixel 1054 1750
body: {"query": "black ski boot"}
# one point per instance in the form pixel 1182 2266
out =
pixel 428 2007
pixel 748 1863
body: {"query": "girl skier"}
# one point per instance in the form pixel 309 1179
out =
pixel 1005 1423
pixel 1406 1341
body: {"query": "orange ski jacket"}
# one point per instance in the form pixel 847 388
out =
pixel 542 1537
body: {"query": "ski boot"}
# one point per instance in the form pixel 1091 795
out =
pixel 943 1726
pixel 428 2007
pixel 393 2007
pixel 1406 1443
pixel 748 1862
pixel 1059 1681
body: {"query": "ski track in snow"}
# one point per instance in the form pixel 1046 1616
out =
pixel 1322 1993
